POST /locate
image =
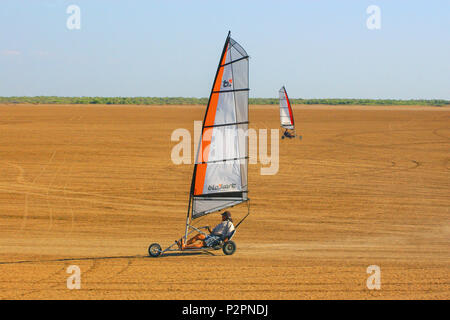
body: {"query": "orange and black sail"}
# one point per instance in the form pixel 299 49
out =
pixel 220 174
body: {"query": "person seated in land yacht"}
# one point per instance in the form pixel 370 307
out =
pixel 220 232
pixel 287 134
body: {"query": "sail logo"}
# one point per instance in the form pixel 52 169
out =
pixel 227 83
pixel 220 187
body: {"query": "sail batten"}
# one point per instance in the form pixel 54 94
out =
pixel 235 90
pixel 246 57
pixel 220 173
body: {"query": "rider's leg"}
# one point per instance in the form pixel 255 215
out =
pixel 191 242
pixel 199 236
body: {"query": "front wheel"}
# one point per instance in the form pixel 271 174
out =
pixel 154 250
pixel 229 248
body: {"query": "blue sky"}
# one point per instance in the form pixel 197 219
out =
pixel 317 48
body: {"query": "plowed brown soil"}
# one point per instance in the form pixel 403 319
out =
pixel 93 186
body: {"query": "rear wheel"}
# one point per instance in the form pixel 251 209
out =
pixel 229 248
pixel 282 137
pixel 154 250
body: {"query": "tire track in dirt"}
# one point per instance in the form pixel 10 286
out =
pixel 393 167
pixel 67 179
pixel 55 274
pixel 374 172
pixel 338 139
pixel 368 153
pixel 25 215
pixel 21 176
pixel 130 206
pixel 70 261
pixel 140 202
pixel 436 133
pixel 73 259
pixel 69 205
pixel 447 163
pixel 50 208
pixel 129 262
pixel 51 275
pixel 123 269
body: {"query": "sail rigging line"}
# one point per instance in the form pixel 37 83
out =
pixel 245 217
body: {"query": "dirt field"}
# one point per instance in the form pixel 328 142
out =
pixel 93 186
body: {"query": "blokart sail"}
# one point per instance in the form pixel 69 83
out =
pixel 286 114
pixel 220 176
pixel 220 173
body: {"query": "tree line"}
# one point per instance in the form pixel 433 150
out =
pixel 203 101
